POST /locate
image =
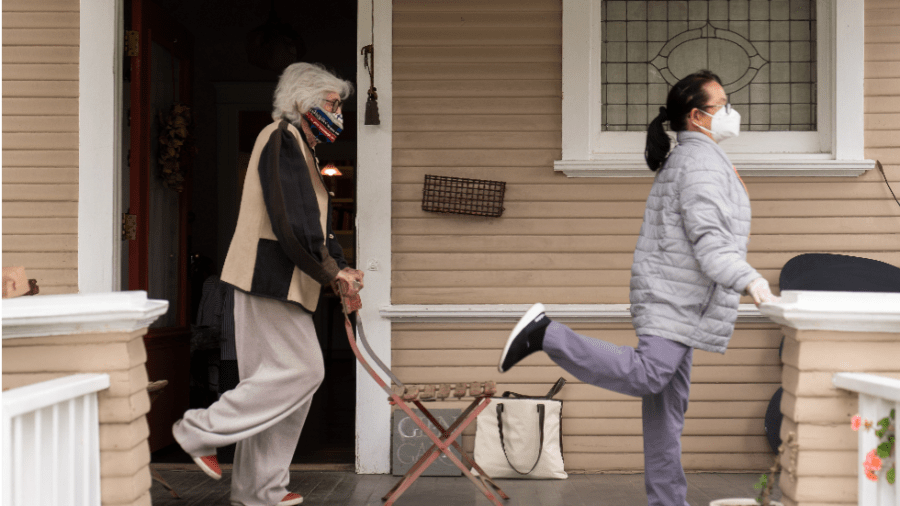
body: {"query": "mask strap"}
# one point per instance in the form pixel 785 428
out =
pixel 700 127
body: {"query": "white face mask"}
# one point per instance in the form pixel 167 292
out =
pixel 726 123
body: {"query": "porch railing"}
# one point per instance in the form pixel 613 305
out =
pixel 51 442
pixel 878 395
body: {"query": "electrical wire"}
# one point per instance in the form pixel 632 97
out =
pixel 878 164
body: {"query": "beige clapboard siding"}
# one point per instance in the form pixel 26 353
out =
pixel 878 69
pixel 476 98
pixel 38 225
pixel 59 175
pixel 40 141
pixel 40 20
pixel 617 226
pixel 626 243
pixel 761 208
pixel 466 54
pixel 42 6
pixel 475 6
pixel 46 54
pixel 602 429
pixel 490 336
pixel 33 158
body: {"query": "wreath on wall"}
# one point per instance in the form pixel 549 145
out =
pixel 173 137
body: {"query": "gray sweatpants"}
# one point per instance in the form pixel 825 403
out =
pixel 658 371
pixel 281 367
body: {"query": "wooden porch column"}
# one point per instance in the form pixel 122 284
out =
pixel 47 337
pixel 825 333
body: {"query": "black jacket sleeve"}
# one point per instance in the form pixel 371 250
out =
pixel 292 206
pixel 334 247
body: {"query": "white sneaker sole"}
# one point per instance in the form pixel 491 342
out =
pixel 530 315
pixel 206 469
pixel 292 502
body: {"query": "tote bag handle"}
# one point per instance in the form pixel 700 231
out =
pixel 553 391
pixel 540 409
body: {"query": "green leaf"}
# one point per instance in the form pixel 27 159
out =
pixel 763 481
pixel 884 450
pixel 892 414
pixel 892 475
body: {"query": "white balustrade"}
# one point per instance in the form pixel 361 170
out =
pixel 878 395
pixel 51 442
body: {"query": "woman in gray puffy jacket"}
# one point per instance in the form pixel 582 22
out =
pixel 690 268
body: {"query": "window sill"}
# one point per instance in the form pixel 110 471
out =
pixel 801 166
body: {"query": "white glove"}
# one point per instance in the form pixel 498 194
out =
pixel 760 291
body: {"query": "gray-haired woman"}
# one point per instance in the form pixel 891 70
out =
pixel 282 252
pixel 690 267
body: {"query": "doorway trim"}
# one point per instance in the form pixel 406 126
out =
pixel 373 225
pixel 101 44
pixel 99 193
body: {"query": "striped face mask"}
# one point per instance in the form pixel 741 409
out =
pixel 326 126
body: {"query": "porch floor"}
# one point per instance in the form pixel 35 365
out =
pixel 347 488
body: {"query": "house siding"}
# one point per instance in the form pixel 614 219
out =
pixel 477 94
pixel 40 141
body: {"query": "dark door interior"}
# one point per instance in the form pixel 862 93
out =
pixel 188 47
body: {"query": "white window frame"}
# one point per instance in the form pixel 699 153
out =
pixel 835 149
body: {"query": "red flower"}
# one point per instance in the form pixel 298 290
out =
pixel 871 475
pixel 856 422
pixel 872 463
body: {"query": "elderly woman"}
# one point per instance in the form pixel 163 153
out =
pixel 690 267
pixel 282 252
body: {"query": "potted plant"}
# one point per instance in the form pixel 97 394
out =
pixel 764 485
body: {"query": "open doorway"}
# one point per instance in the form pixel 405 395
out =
pixel 239 48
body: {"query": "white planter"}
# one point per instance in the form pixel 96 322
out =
pixel 740 502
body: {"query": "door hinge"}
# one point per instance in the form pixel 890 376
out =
pixel 129 227
pixel 131 42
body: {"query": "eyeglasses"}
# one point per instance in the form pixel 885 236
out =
pixel 726 106
pixel 335 104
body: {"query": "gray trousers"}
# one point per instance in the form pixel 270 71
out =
pixel 658 371
pixel 281 367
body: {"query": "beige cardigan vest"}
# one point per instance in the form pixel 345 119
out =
pixel 254 224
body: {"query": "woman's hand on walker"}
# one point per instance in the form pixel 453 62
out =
pixel 353 280
pixel 760 291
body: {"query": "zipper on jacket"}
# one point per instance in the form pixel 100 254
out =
pixel 709 297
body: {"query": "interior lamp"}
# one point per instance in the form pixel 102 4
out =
pixel 331 170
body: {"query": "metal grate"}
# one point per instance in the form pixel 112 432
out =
pixel 460 195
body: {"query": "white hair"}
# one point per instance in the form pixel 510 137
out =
pixel 303 86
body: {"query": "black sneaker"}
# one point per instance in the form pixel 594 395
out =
pixel 521 342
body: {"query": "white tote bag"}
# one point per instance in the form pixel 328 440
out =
pixel 520 437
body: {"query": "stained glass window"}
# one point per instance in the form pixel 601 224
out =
pixel 763 50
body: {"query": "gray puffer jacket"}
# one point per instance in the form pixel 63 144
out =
pixel 690 264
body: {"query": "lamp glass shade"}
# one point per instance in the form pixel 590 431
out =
pixel 331 170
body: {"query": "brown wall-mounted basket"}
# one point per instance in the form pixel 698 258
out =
pixel 459 195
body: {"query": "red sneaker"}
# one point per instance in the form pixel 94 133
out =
pixel 291 499
pixel 210 466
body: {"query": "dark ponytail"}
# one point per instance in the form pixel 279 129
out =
pixel 687 94
pixel 657 141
